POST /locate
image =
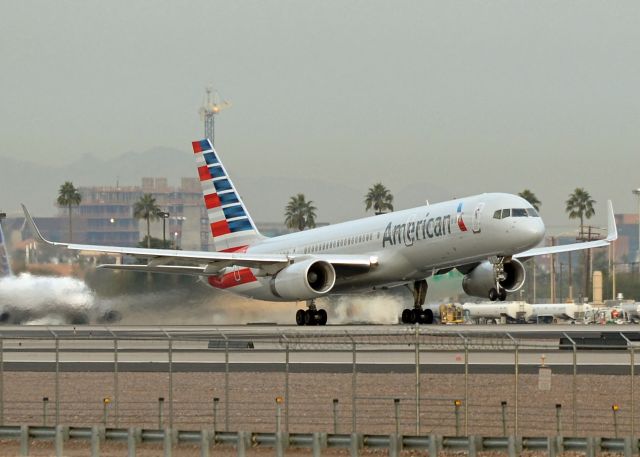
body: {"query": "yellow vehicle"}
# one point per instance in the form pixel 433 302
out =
pixel 450 313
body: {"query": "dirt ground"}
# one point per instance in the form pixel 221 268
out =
pixel 252 405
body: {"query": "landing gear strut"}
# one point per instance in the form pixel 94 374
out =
pixel 417 314
pixel 311 315
pixel 498 293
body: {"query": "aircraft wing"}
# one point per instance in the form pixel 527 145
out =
pixel 612 235
pixel 201 262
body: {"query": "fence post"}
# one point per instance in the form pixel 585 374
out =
pixel 614 409
pixel 204 443
pixel 558 419
pixel 57 382
pixel 24 440
pixel 115 382
pixel 168 442
pixel 335 415
pixel 95 441
pixel 286 387
pixel 516 354
pixel 105 404
pixel 354 387
pixel 417 362
pixel 1 381
pixel 226 384
pixel 132 441
pixel 456 406
pixel 59 441
pixel 170 381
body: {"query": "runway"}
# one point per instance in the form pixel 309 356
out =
pixel 272 348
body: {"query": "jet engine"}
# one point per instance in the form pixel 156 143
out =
pixel 482 280
pixel 304 280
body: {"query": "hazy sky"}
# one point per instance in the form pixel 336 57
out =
pixel 465 96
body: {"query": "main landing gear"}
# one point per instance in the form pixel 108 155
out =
pixel 311 315
pixel 417 315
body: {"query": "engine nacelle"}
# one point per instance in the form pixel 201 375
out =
pixel 482 278
pixel 304 280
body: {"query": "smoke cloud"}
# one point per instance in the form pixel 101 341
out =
pixel 29 299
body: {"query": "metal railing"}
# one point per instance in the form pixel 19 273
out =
pixel 207 439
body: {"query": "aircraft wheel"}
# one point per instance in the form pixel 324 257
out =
pixel 406 316
pixel 502 295
pixel 322 317
pixel 300 317
pixel 415 316
pixel 493 294
pixel 427 317
pixel 309 317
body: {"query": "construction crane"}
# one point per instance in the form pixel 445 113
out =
pixel 212 106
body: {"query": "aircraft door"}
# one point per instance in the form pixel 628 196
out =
pixel 475 227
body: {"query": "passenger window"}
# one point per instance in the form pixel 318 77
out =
pixel 519 212
pixel 506 213
pixel 497 214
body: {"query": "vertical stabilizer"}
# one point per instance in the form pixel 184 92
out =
pixel 5 266
pixel 231 225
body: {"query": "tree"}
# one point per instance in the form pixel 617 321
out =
pixel 146 209
pixel 531 198
pixel 68 195
pixel 379 198
pixel 580 206
pixel 300 213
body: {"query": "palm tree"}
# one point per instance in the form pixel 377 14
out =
pixel 300 213
pixel 580 205
pixel 379 198
pixel 68 195
pixel 531 198
pixel 146 208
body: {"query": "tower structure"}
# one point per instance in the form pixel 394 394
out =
pixel 211 107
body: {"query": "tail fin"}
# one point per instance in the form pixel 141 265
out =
pixel 5 266
pixel 231 225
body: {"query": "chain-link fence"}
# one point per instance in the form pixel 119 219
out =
pixel 410 380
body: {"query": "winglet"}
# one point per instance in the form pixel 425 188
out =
pixel 612 230
pixel 35 230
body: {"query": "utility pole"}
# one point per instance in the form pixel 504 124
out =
pixel 212 106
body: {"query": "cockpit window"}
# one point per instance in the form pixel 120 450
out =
pixel 506 213
pixel 497 214
pixel 532 212
pixel 519 212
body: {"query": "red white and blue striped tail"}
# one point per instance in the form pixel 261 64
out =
pixel 5 266
pixel 232 228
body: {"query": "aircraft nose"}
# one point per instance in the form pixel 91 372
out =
pixel 536 229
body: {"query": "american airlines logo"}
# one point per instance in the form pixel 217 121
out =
pixel 412 231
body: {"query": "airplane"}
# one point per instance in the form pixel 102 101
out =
pixel 5 264
pixel 486 237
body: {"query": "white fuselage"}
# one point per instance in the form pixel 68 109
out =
pixel 409 245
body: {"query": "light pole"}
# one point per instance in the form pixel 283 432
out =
pixel 637 193
pixel 164 215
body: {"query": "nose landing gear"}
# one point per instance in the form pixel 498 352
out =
pixel 417 314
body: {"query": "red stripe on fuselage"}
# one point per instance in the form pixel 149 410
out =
pixel 235 278
pixel 236 249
